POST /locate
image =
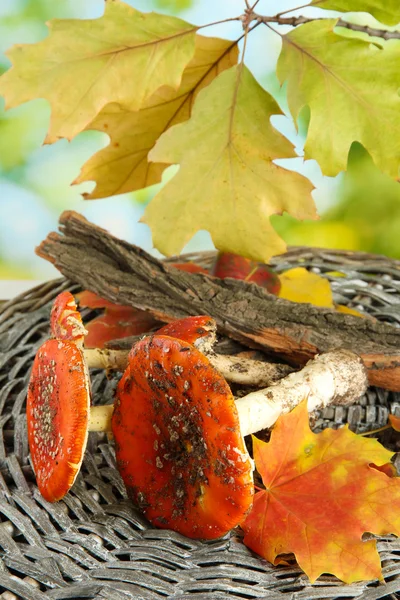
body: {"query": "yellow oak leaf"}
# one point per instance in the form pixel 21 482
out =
pixel 352 90
pixel 124 57
pixel 227 183
pixel 300 285
pixel 387 11
pixel 123 165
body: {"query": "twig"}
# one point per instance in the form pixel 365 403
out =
pixel 295 21
pixel 249 16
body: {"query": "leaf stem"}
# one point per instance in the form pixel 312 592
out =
pixel 374 431
pixel 240 18
pixel 288 10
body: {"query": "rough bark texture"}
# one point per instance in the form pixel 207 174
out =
pixel 126 274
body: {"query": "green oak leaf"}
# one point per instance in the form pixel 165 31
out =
pixel 124 56
pixel 352 89
pixel 227 183
pixel 386 11
pixel 123 166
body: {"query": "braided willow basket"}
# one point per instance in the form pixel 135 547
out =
pixel 93 544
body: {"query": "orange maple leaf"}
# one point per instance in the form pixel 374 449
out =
pixel 322 494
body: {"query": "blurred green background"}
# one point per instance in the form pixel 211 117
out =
pixel 359 209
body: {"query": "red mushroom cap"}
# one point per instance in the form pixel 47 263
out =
pixel 58 405
pixel 199 331
pixel 65 319
pixel 178 443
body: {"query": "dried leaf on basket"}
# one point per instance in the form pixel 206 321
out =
pixel 300 285
pixel 117 322
pixel 323 492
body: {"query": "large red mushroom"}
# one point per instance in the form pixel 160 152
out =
pixel 178 443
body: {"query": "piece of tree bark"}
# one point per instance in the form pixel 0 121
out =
pixel 126 274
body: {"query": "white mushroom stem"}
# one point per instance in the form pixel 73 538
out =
pixel 247 371
pixel 244 371
pixel 337 377
pixel 116 360
pixel 100 417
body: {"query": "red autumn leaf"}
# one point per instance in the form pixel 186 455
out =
pixel 117 322
pixel 394 422
pixel 238 267
pixel 88 299
pixel 322 494
pixel 190 267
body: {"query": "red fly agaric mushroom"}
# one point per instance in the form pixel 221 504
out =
pixel 65 319
pixel 58 405
pixel 66 324
pixel 178 442
pixel 59 416
pixel 179 431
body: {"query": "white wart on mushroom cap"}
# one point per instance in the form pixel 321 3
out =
pixel 58 405
pixel 178 442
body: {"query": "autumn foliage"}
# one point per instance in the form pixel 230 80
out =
pixel 322 493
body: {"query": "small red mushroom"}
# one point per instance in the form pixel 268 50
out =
pixel 65 319
pixel 201 331
pixel 58 405
pixel 59 416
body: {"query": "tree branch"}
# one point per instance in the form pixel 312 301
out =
pixel 126 274
pixel 295 21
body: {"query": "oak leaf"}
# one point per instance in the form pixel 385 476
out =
pixel 386 11
pixel 227 182
pixel 322 494
pixel 123 56
pixel 351 88
pixel 123 165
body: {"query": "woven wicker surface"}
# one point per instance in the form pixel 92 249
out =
pixel 93 544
